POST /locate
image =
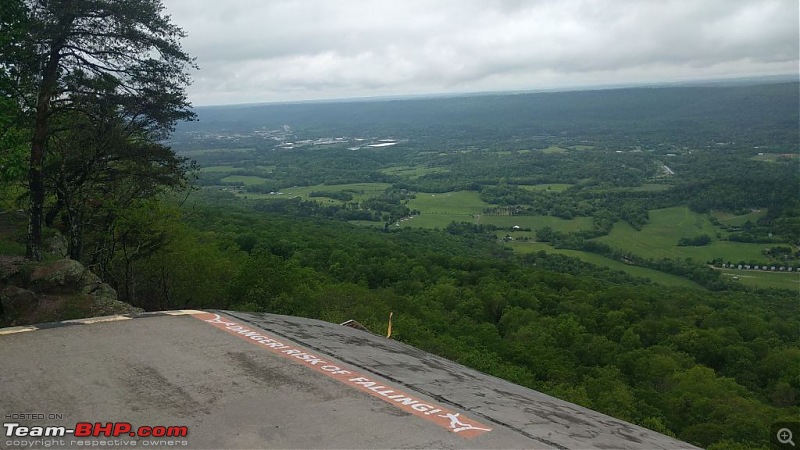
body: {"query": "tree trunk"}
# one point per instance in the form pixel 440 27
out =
pixel 36 178
pixel 38 144
pixel 75 243
pixel 36 186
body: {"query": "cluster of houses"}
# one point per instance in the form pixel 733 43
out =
pixel 759 267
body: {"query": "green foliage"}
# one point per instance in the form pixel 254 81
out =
pixel 13 143
pixel 114 68
pixel 272 283
pixel 336 195
pixel 697 241
pixel 709 368
pixel 100 177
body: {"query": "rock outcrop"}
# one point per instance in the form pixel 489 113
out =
pixel 48 291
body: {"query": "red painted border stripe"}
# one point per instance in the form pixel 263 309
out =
pixel 445 418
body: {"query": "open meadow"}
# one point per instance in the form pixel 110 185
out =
pixel 552 187
pixel 247 180
pixel 659 238
pixel 729 219
pixel 360 191
pixel 760 279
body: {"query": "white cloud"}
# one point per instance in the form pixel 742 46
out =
pixel 283 50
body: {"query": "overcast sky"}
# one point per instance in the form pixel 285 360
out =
pixel 286 50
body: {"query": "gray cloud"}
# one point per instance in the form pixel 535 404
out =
pixel 283 50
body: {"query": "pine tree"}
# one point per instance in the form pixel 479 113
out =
pixel 66 54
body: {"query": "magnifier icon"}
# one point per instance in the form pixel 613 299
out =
pixel 785 436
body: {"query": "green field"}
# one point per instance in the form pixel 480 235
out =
pixel 439 210
pixel 650 187
pixel 774 157
pixel 436 220
pixel 754 278
pixel 215 151
pixel 246 179
pixel 647 187
pixel 601 261
pixel 553 187
pixel 536 222
pixel 219 169
pixel 726 218
pixel 440 220
pixel 659 238
pixel 412 172
pixel 360 191
pixel 458 203
pixel 554 149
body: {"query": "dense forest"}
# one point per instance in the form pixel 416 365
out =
pixel 199 218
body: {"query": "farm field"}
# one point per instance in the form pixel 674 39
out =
pixel 536 222
pixel 602 261
pixel 554 187
pixel 436 220
pixel 659 238
pixel 651 187
pixel 218 169
pixel 774 157
pixel 734 220
pixel 360 191
pixel 647 187
pixel 439 210
pixel 462 203
pixel 754 278
pixel 442 220
pixel 215 151
pixel 246 179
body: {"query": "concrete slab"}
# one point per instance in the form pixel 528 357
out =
pixel 237 380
